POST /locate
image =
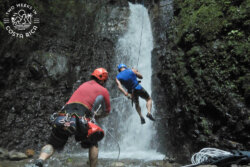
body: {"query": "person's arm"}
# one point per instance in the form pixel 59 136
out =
pixel 106 107
pixel 120 87
pixel 137 73
pixel 107 101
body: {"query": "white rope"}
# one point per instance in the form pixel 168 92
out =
pixel 93 119
pixel 116 98
pixel 119 149
pixel 207 153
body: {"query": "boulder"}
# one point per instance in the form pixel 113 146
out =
pixel 3 154
pixel 15 156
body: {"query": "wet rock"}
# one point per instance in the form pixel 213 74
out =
pixel 3 154
pixel 14 155
pixel 35 70
pixel 118 164
pixel 169 159
pixel 38 75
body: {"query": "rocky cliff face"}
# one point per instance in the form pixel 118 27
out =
pixel 39 74
pixel 202 61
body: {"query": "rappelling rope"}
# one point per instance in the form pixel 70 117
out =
pixel 93 119
pixel 119 149
pixel 207 153
pixel 116 98
pixel 140 37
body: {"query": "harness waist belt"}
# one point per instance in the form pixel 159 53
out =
pixel 76 109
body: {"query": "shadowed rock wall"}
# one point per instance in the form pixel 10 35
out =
pixel 202 61
pixel 39 74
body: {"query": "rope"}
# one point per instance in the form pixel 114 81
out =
pixel 140 37
pixel 116 98
pixel 119 149
pixel 205 154
pixel 93 119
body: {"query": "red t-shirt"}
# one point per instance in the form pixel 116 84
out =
pixel 87 94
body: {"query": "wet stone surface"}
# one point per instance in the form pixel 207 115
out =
pixel 69 161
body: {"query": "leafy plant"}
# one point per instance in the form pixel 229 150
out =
pixel 1 25
pixel 235 34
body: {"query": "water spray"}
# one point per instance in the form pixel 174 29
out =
pixel 93 120
pixel 116 98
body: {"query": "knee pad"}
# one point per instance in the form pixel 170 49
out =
pixel 95 133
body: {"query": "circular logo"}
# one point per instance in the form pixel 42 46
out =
pixel 21 20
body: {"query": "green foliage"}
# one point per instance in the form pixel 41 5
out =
pixel 236 13
pixel 235 34
pixel 205 20
pixel 1 25
pixel 69 160
pixel 194 51
pixel 202 17
pixel 206 125
pixel 215 43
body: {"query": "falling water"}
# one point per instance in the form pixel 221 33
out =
pixel 134 49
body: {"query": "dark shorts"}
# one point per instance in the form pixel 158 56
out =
pixel 140 93
pixel 59 136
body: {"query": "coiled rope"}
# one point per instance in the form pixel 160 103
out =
pixel 206 154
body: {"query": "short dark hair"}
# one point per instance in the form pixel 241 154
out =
pixel 96 79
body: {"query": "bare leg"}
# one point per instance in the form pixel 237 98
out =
pixel 138 109
pixel 93 156
pixel 46 152
pixel 149 105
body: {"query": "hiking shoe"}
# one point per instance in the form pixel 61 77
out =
pixel 150 117
pixel 39 163
pixel 142 120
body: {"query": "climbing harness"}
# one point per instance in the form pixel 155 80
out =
pixel 213 156
pixel 65 121
pixel 140 37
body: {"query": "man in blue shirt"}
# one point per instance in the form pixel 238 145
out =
pixel 128 78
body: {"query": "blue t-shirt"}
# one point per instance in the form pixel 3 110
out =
pixel 129 80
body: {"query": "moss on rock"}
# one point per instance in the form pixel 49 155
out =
pixel 211 76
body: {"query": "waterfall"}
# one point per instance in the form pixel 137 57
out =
pixel 136 140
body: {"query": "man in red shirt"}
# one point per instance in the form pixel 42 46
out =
pixel 76 118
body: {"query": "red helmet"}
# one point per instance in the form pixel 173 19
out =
pixel 101 74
